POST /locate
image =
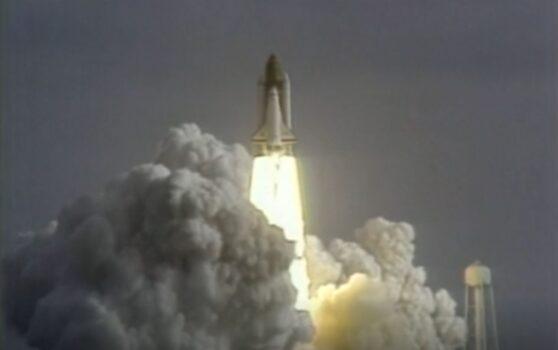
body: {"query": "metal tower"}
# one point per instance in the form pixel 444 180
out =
pixel 480 313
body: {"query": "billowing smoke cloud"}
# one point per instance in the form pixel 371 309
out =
pixel 370 296
pixel 171 255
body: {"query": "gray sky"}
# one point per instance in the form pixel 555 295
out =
pixel 439 113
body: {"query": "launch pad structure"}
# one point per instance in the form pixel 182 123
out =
pixel 480 312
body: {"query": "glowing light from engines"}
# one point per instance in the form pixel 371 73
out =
pixel 275 190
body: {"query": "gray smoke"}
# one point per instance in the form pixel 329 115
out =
pixel 171 255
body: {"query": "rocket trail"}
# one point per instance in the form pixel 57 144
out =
pixel 275 186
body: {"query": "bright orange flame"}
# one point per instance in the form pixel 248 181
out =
pixel 275 190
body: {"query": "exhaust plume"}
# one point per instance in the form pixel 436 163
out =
pixel 171 255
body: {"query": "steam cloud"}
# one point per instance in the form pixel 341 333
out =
pixel 370 296
pixel 171 255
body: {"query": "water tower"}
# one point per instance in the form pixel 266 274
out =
pixel 480 313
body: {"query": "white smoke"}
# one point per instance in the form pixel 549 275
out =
pixel 171 255
pixel 370 296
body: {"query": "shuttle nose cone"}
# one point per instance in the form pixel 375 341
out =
pixel 273 71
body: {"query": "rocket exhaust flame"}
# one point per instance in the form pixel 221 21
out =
pixel 275 190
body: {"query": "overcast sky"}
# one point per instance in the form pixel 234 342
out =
pixel 439 113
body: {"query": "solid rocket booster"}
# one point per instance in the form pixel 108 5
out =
pixel 274 134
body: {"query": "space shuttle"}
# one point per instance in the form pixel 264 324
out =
pixel 274 185
pixel 274 134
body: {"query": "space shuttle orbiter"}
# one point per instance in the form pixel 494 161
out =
pixel 274 134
